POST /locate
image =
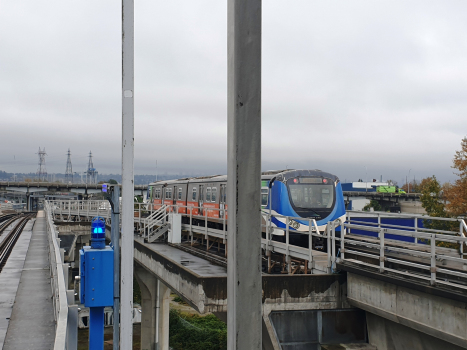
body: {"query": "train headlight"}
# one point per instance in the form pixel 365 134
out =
pixel 294 224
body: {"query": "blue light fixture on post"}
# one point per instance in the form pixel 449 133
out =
pixel 98 233
pixel 96 275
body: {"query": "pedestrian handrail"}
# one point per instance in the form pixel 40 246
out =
pixel 434 255
pixel 358 213
pixel 65 334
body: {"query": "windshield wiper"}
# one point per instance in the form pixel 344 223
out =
pixel 314 213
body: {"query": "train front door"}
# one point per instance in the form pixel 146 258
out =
pixel 222 198
pixel 201 199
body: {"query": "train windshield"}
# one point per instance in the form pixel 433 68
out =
pixel 311 197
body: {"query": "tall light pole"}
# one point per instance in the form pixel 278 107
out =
pixel 126 294
pixel 406 181
pixel 366 179
pixel 244 288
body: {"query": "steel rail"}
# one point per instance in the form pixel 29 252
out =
pixel 8 222
pixel 7 245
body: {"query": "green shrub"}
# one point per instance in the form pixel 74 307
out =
pixel 192 332
pixel 179 300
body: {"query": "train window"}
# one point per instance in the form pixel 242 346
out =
pixel 167 194
pixel 264 196
pixel 180 193
pixel 312 195
pixel 214 194
pixel 194 194
pixel 208 194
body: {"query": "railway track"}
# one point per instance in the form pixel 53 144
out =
pixel 9 241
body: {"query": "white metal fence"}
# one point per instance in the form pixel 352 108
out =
pixel 438 252
pixel 66 313
pixel 434 255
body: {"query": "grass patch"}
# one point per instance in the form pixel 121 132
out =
pixel 192 332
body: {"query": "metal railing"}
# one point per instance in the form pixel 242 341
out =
pixel 436 256
pixel 65 312
pixel 394 229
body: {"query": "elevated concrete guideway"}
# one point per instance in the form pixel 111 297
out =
pixel 27 307
pixel 31 187
pixel 204 286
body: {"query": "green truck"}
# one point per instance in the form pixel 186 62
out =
pixel 389 189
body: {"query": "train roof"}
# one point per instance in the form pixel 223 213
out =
pixel 203 179
pixel 289 174
pixel 281 175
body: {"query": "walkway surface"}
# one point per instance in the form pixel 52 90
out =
pixel 11 275
pixel 193 263
pixel 32 324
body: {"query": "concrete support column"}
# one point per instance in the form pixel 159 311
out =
pixel 155 298
pixel 163 316
pixel 148 285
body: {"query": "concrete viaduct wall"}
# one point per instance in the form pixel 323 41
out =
pixel 402 318
pixel 284 293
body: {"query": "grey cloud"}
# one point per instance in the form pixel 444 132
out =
pixel 345 85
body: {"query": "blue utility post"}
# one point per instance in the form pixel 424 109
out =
pixel 96 264
pixel 113 192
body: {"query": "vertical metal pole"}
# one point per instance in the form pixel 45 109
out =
pixel 433 259
pixel 115 232
pixel 96 328
pixel 310 246
pixel 206 224
pixel 328 234
pixel 381 250
pixel 461 234
pixel 287 238
pixel 126 339
pixel 244 285
pixel 416 229
pixel 333 242
pixel 342 241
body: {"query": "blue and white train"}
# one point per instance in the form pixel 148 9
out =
pixel 303 194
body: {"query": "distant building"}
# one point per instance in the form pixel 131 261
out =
pixel 362 186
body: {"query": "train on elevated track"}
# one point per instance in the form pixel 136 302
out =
pixel 302 195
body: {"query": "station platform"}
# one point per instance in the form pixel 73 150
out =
pixel 26 278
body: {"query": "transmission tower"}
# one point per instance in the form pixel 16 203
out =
pixel 69 169
pixel 91 173
pixel 42 171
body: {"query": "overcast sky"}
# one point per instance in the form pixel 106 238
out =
pixel 356 88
